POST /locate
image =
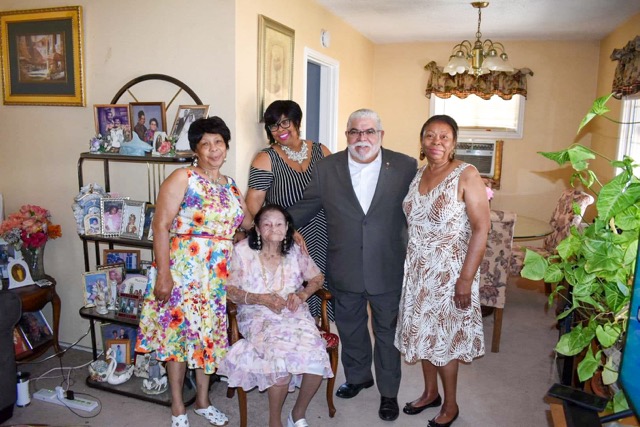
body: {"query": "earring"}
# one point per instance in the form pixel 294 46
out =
pixel 452 156
pixel 195 162
pixel 284 242
pixel 422 155
pixel 259 242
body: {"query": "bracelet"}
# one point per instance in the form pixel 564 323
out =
pixel 240 230
pixel 246 294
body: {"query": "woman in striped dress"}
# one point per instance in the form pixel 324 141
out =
pixel 280 173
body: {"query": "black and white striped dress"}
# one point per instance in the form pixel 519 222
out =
pixel 284 187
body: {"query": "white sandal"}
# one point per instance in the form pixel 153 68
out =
pixel 302 422
pixel 180 421
pixel 213 415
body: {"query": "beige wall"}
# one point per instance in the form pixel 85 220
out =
pixel 557 100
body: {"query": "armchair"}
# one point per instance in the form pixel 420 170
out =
pixel 331 340
pixel 494 269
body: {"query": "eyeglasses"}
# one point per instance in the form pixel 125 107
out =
pixel 354 133
pixel 284 124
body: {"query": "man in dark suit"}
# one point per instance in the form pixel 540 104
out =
pixel 361 191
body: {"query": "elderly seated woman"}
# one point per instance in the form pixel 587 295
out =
pixel 282 348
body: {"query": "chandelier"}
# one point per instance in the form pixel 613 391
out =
pixel 480 57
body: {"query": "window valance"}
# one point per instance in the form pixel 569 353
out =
pixel 626 80
pixel 500 83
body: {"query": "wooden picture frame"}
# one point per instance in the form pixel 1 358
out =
pixel 121 350
pixel 149 212
pixel 186 115
pixel 132 220
pixel 115 331
pixel 130 258
pixel 111 216
pixel 275 63
pixel 106 117
pixel 91 280
pixel 129 306
pixel 150 111
pixel 53 39
pixel 35 328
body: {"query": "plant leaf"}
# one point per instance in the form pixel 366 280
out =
pixel 574 341
pixel 588 366
pixel 598 108
pixel 620 402
pixel 608 334
pixel 579 156
pixel 616 196
pixel 535 265
pixel 610 372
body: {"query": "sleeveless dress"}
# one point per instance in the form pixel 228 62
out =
pixel 192 326
pixel 284 187
pixel 429 324
pixel 273 345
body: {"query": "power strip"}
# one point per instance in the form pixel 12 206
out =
pixel 50 396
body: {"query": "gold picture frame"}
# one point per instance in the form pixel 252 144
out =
pixel 275 62
pixel 53 40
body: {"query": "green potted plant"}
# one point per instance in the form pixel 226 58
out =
pixel 595 263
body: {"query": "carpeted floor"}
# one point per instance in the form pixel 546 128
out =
pixel 502 389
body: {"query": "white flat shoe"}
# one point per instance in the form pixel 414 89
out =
pixel 180 421
pixel 213 415
pixel 302 422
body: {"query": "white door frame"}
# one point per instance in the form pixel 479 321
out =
pixel 329 73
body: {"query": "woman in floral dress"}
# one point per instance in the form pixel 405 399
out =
pixel 282 347
pixel 184 314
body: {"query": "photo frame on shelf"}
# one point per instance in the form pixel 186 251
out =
pixel 275 62
pixel 92 224
pixel 56 35
pixel 111 216
pixel 132 220
pixel 149 212
pixel 35 328
pixel 114 331
pixel 149 112
pixel 19 274
pixel 92 281
pixel 186 115
pixel 6 251
pixel 112 120
pixel 130 258
pixel 20 345
pixel 162 145
pixel 116 272
pixel 145 266
pixel 129 306
pixel 121 350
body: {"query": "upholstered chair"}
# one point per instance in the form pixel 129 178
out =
pixel 494 269
pixel 562 219
pixel 332 341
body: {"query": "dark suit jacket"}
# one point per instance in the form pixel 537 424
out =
pixel 365 252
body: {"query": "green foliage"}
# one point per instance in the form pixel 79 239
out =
pixel 595 262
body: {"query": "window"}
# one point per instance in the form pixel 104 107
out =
pixel 495 118
pixel 630 133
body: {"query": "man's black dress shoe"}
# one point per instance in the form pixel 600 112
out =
pixel 433 423
pixel 348 390
pixel 409 409
pixel 389 409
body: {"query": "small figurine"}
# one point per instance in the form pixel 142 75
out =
pixel 100 298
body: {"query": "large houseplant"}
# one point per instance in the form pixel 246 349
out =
pixel 595 263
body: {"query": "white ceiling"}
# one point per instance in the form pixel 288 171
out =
pixel 399 21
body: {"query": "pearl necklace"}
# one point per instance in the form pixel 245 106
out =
pixel 265 279
pixel 296 156
pixel 208 173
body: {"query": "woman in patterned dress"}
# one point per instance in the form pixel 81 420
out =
pixel 281 347
pixel 440 322
pixel 184 314
pixel 279 174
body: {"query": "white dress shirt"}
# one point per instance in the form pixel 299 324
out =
pixel 364 178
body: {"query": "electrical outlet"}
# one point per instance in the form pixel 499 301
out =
pixel 51 396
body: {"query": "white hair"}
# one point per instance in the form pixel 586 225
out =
pixel 364 113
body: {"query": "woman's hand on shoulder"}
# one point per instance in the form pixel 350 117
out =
pixel 299 240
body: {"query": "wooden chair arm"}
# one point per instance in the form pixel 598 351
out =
pixel 232 311
pixel 325 296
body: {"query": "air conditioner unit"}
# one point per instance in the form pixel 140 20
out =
pixel 480 153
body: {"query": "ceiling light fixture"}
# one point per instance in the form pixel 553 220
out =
pixel 480 57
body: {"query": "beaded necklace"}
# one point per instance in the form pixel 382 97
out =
pixel 268 284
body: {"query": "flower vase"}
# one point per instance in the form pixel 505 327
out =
pixel 35 261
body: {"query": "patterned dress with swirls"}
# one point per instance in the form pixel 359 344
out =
pixel 429 325
pixel 192 326
pixel 274 345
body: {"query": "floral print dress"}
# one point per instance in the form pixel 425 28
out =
pixel 192 326
pixel 273 345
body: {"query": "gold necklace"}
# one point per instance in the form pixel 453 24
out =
pixel 265 278
pixel 207 172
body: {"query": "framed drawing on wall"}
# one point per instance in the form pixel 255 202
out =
pixel 42 56
pixel 275 62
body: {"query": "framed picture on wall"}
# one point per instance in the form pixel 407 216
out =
pixel 275 66
pixel 42 56
pixel 147 118
pixel 186 115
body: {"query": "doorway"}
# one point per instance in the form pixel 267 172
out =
pixel 321 99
